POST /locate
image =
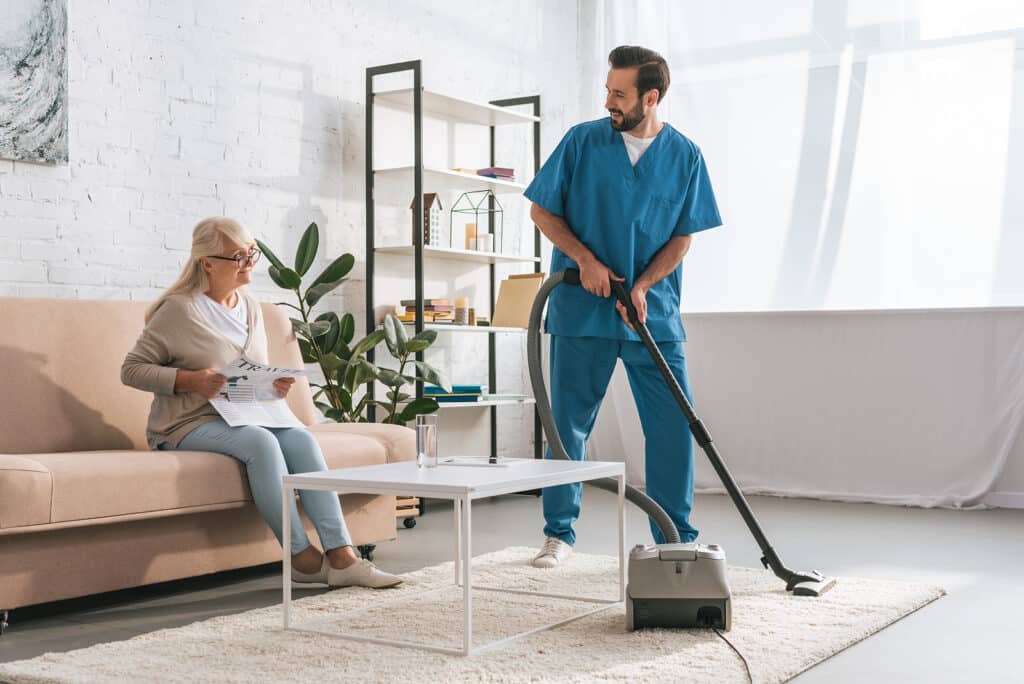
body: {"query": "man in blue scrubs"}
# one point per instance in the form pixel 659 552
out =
pixel 620 199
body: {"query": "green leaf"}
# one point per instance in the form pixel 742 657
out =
pixel 394 335
pixel 342 351
pixel 330 363
pixel 329 339
pixel 308 353
pixel 271 257
pixel 335 414
pixel 433 375
pixel 319 328
pixel 428 335
pixel 305 254
pixel 338 269
pixel 395 395
pixel 348 327
pixel 417 407
pixel 300 327
pixel 390 377
pixel 316 292
pixel 324 407
pixel 367 343
pixel 364 372
pixel 415 345
pixel 285 277
pixel 346 399
pixel 275 275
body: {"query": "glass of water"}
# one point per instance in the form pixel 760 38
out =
pixel 426 441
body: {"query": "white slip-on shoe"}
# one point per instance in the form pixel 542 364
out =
pixel 362 573
pixel 552 553
pixel 318 577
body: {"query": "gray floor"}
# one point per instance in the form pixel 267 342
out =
pixel 972 634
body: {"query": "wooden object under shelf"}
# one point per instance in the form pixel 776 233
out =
pixel 407 507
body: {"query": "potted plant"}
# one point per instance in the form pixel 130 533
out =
pixel 327 341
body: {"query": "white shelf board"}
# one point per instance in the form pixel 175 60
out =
pixel 445 179
pixel 468 328
pixel 453 109
pixel 443 405
pixel 459 254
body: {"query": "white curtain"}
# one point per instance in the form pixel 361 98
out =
pixel 866 155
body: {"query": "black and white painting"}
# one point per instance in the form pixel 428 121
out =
pixel 34 80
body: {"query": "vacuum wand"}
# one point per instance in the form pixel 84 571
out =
pixel 808 583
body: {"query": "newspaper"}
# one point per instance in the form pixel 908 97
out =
pixel 249 397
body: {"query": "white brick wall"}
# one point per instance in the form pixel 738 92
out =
pixel 180 109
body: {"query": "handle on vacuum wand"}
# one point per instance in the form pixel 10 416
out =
pixel 703 438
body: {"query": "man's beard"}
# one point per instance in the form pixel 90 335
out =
pixel 630 120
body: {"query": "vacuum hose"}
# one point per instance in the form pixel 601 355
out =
pixel 804 582
pixel 533 356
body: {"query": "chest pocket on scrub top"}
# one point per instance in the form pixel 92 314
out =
pixel 660 218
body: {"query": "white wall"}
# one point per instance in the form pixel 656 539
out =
pixel 865 153
pixel 179 110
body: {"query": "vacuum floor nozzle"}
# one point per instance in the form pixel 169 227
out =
pixel 815 585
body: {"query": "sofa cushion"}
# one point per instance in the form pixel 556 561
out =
pixel 25 492
pixel 70 487
pixel 399 442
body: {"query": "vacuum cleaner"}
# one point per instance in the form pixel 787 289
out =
pixel 672 584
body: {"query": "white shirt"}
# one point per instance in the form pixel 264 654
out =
pixel 232 323
pixel 635 146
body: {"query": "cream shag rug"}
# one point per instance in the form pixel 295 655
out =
pixel 780 635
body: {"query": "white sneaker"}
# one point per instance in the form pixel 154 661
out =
pixel 552 553
pixel 362 573
pixel 318 577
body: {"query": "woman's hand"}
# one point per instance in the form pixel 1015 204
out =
pixel 282 385
pixel 207 382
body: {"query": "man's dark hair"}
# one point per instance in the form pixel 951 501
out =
pixel 653 70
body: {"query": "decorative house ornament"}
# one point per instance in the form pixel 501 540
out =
pixel 481 209
pixel 34 81
pixel 432 210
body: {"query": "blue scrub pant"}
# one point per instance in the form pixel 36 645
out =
pixel 269 454
pixel 581 368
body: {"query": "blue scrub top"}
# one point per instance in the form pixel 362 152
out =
pixel 624 214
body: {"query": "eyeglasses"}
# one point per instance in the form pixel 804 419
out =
pixel 242 260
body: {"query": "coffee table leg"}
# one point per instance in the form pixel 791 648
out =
pixel 286 545
pixel 457 507
pixel 467 575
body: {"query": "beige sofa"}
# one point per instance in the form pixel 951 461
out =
pixel 86 507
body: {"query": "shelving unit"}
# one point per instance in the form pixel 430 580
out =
pixel 458 254
pixel 422 103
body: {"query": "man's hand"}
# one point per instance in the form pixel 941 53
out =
pixel 595 277
pixel 282 385
pixel 639 298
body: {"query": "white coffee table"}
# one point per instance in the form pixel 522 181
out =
pixel 461 484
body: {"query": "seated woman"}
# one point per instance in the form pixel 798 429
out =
pixel 204 321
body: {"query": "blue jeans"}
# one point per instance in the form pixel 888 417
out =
pixel 581 368
pixel 269 454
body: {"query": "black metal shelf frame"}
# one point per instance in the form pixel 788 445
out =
pixel 415 66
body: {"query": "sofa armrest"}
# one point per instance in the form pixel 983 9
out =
pixel 26 492
pixel 399 441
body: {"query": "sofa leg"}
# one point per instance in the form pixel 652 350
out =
pixel 366 551
pixel 4 614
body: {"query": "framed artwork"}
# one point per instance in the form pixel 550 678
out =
pixel 34 81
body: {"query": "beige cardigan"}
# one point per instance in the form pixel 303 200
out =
pixel 179 337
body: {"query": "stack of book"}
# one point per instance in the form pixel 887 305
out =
pixel 434 311
pixel 498 173
pixel 459 393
